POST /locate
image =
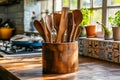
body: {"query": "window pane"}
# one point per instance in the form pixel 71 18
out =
pixel 85 3
pixel 65 3
pixel 44 6
pixel 50 4
pixel 111 12
pixel 97 3
pixel 96 15
pixel 58 5
pixel 73 4
pixel 113 2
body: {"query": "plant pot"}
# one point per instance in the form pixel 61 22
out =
pixel 60 57
pixel 83 32
pixel 107 36
pixel 116 33
pixel 90 31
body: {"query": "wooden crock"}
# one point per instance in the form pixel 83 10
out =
pixel 60 57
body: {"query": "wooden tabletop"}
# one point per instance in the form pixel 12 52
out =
pixel 31 69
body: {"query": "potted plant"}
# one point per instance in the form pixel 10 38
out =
pixel 107 32
pixel 85 21
pixel 90 31
pixel 115 22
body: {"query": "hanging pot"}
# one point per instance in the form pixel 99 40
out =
pixel 90 31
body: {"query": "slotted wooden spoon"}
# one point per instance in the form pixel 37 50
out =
pixel 78 17
pixel 63 25
pixel 39 28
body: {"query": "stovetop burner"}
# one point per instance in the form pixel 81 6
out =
pixel 19 47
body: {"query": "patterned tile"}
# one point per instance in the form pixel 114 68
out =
pixel 102 54
pixel 96 44
pixel 115 46
pixel 101 44
pixel 105 50
pixel 95 53
pixel 116 57
pixel 109 46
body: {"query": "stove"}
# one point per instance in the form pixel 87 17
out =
pixel 21 47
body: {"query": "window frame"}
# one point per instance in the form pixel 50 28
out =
pixel 104 8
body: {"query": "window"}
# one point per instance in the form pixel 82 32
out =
pixel 113 2
pixel 112 7
pixel 95 11
pixel 65 3
pixel 97 3
pixel 58 5
pixel 85 3
pixel 46 7
pixel 100 9
pixel 73 4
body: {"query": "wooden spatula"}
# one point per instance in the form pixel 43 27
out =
pixel 70 27
pixel 39 28
pixel 78 17
pixel 63 25
pixel 56 18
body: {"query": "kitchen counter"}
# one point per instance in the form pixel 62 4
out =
pixel 31 69
pixel 22 68
pixel 108 50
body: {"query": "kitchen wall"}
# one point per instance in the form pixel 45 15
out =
pixel 21 14
pixel 16 13
pixel 29 7
pixel 3 12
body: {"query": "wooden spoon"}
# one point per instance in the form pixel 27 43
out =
pixel 63 25
pixel 39 28
pixel 45 30
pixel 78 17
pixel 56 17
pixel 49 25
pixel 49 22
pixel 78 33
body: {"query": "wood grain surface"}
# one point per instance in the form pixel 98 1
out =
pixel 60 58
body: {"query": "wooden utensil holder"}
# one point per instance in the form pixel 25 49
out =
pixel 60 57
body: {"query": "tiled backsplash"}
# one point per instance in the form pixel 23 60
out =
pixel 15 13
pixel 29 7
pixel 108 50
pixel 3 12
pixel 20 13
